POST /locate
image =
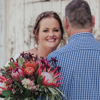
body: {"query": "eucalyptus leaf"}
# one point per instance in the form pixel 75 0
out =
pixel 20 61
pixel 39 80
pixel 6 93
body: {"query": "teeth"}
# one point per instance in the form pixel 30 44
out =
pixel 51 40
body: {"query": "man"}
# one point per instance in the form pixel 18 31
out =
pixel 80 58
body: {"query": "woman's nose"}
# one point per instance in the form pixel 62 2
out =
pixel 51 33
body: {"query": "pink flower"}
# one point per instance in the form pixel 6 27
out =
pixel 17 72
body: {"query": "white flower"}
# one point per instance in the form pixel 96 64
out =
pixel 27 83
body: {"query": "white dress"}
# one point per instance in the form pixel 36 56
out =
pixel 15 57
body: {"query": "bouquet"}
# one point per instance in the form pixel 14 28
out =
pixel 29 78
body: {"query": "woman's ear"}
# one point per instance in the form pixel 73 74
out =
pixel 66 24
pixel 93 21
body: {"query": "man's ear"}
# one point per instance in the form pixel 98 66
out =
pixel 93 21
pixel 66 24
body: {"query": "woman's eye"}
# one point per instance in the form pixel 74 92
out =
pixel 45 30
pixel 56 30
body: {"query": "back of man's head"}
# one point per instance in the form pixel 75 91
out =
pixel 78 14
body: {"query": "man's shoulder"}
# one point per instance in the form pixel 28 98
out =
pixel 75 47
pixel 59 51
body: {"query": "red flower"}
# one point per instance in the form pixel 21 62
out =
pixel 10 68
pixel 16 64
pixel 29 71
pixel 30 67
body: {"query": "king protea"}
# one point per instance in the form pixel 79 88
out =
pixel 18 71
pixel 50 77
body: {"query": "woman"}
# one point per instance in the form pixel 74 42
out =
pixel 48 33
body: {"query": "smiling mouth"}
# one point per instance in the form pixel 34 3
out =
pixel 51 40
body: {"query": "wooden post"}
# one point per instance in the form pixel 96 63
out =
pixel 2 33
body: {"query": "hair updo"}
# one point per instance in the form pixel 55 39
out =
pixel 43 15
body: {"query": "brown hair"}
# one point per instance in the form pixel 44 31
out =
pixel 47 14
pixel 78 14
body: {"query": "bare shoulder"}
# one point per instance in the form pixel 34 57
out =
pixel 33 51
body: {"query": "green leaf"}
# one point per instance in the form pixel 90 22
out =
pixel 28 92
pixel 52 98
pixel 26 99
pixel 42 87
pixel 6 67
pixel 46 90
pixel 39 80
pixel 21 78
pixel 61 92
pixel 18 84
pixel 20 61
pixel 12 65
pixel 6 93
pixel 53 91
pixel 58 97
pixel 47 98
pixel 1 96
pixel 7 98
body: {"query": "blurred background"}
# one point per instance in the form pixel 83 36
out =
pixel 17 18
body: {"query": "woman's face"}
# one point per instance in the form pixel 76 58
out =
pixel 49 35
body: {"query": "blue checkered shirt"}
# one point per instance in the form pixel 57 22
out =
pixel 80 67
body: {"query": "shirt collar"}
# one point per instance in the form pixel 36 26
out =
pixel 80 35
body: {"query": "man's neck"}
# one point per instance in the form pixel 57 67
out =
pixel 75 31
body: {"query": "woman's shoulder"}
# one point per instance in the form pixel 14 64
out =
pixel 32 51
